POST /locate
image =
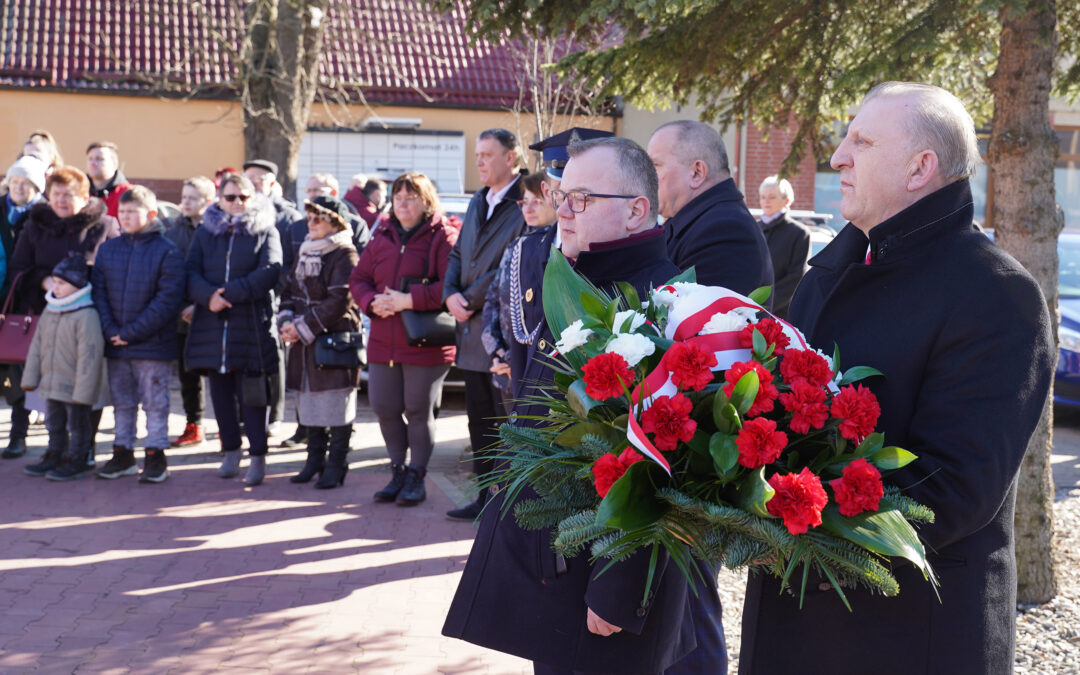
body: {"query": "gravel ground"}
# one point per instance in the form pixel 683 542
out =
pixel 1047 636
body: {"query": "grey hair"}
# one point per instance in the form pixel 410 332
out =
pixel 781 184
pixel 327 180
pixel 508 141
pixel 939 120
pixel 637 175
pixel 698 141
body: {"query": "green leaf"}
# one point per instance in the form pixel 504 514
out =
pixel 563 288
pixel 745 391
pixel 720 401
pixel 759 344
pixel 564 380
pixel 892 457
pixel 870 445
pixel 630 293
pixel 859 373
pixel 631 503
pixel 884 532
pixel 836 358
pixel 753 492
pixel 579 401
pixel 700 442
pixel 760 295
pixel 571 438
pixel 592 305
pixel 724 451
pixel 609 314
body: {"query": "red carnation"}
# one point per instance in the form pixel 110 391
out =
pixel 690 365
pixel 858 410
pixel 669 419
pixel 804 364
pixel 610 468
pixel 770 329
pixel 799 500
pixel 606 375
pixel 766 394
pixel 806 403
pixel 858 489
pixel 760 443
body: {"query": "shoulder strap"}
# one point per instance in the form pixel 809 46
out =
pixel 11 293
pixel 431 256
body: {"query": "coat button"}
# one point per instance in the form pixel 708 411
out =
pixel 542 344
pixel 528 295
pixel 513 417
pixel 640 611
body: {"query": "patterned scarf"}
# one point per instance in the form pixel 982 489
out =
pixel 309 260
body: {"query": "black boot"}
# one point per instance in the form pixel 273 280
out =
pixel 48 462
pixel 155 467
pixel 397 481
pixel 469 512
pixel 413 492
pixel 121 464
pixel 72 466
pixel 317 438
pixel 16 448
pixel 337 464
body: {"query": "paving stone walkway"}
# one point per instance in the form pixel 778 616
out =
pixel 201 575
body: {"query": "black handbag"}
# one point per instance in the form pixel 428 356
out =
pixel 340 350
pixel 431 328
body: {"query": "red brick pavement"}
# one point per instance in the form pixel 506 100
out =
pixel 200 574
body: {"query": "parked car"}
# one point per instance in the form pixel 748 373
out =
pixel 1067 377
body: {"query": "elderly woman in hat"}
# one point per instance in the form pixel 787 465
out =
pixel 316 302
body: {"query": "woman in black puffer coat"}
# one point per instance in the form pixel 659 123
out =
pixel 233 265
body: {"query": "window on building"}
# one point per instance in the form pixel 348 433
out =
pixel 1067 175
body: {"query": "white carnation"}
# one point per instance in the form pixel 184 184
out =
pixel 637 320
pixel 664 296
pixel 725 322
pixel 572 337
pixel 631 346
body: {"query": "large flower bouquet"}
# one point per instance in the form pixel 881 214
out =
pixel 695 422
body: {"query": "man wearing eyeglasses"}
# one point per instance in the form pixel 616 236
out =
pixel 516 595
pixel 708 225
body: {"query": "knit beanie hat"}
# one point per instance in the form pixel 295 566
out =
pixel 31 168
pixel 73 270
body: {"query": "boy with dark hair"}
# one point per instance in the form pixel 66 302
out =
pixel 65 365
pixel 138 291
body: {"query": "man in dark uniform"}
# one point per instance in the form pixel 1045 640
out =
pixel 708 225
pixel 515 594
pixel 962 335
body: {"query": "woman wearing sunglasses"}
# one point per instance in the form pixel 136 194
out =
pixel 233 266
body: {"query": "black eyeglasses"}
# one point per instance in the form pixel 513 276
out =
pixel 233 198
pixel 578 199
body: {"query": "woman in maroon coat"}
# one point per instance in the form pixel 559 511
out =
pixel 411 244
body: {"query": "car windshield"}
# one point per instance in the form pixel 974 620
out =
pixel 1069 266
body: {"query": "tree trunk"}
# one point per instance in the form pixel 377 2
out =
pixel 281 62
pixel 1026 222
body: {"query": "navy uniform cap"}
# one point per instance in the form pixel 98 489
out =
pixel 554 147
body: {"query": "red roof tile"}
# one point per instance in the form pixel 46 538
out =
pixel 391 50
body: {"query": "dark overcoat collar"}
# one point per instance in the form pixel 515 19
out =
pixel 724 191
pixel 905 234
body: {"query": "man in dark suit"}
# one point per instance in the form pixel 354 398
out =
pixel 515 594
pixel 787 238
pixel 962 334
pixel 708 226
pixel 492 221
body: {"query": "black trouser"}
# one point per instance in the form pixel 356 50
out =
pixel 226 392
pixel 20 419
pixel 69 429
pixel 191 387
pixel 277 389
pixel 483 404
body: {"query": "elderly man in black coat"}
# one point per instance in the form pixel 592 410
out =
pixel 962 334
pixel 708 226
pixel 515 594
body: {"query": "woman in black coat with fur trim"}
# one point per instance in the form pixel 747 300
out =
pixel 233 265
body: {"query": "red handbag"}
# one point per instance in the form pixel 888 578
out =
pixel 16 330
